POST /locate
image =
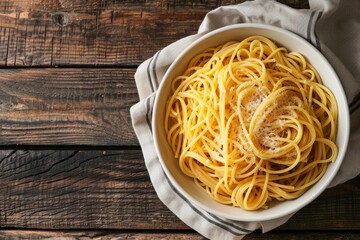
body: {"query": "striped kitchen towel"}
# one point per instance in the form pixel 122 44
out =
pixel 330 25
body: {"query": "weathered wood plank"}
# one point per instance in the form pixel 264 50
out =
pixel 79 189
pixel 106 235
pixel 112 190
pixel 81 32
pixel 67 106
pixel 338 207
pixel 173 235
pixel 45 5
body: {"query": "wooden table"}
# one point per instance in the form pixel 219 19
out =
pixel 70 163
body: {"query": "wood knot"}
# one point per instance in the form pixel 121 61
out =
pixel 29 60
pixel 60 19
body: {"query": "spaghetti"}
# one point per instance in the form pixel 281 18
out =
pixel 251 122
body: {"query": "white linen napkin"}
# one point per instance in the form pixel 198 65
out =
pixel 333 26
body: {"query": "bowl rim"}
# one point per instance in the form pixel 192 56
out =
pixel 253 218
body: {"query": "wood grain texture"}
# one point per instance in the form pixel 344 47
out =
pixel 165 235
pixel 111 189
pixel 67 106
pixel 79 189
pixel 94 33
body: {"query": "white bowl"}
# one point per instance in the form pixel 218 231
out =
pixel 186 185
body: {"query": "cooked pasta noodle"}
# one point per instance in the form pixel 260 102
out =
pixel 251 122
